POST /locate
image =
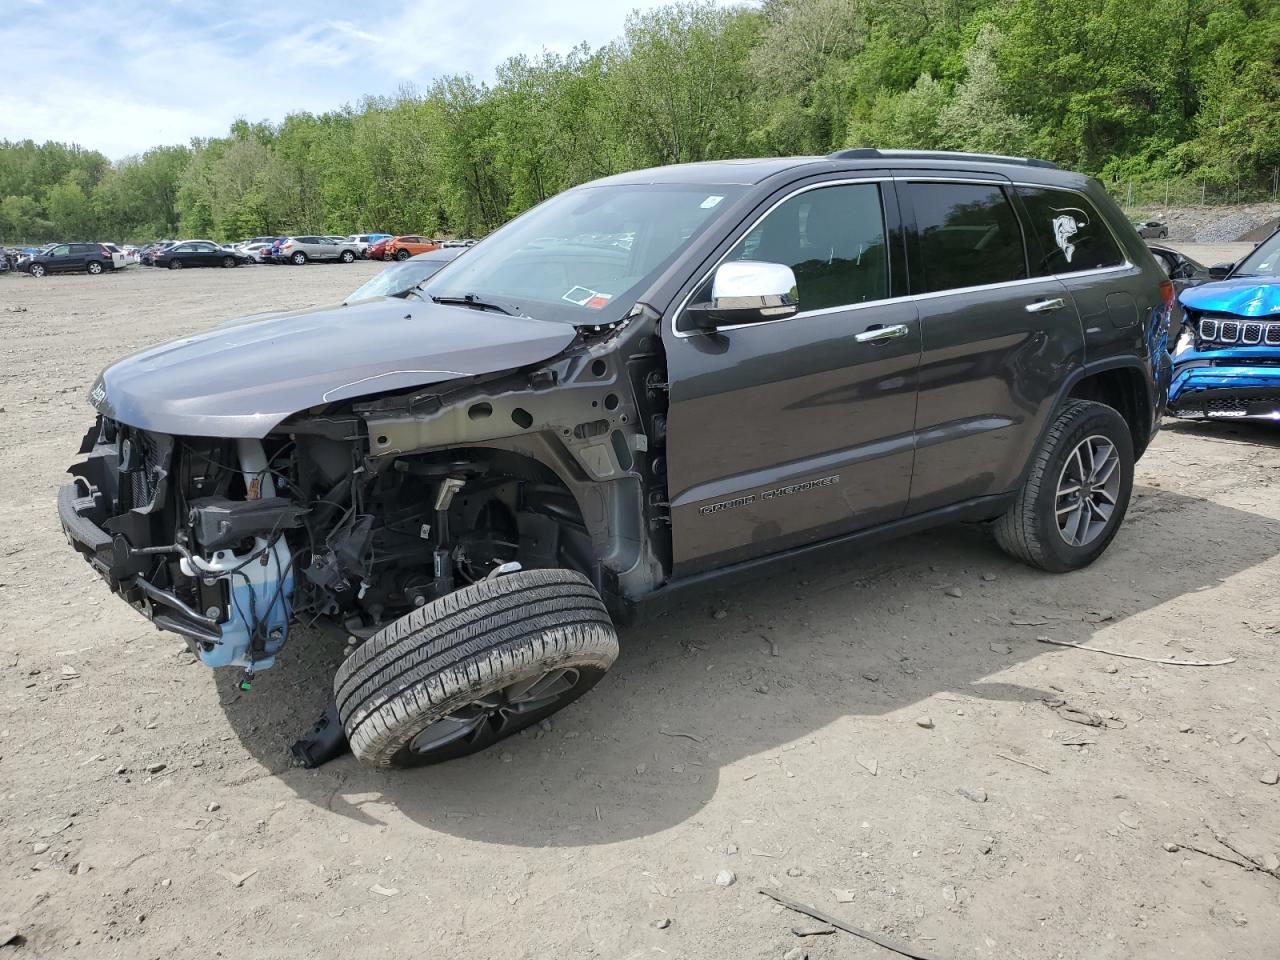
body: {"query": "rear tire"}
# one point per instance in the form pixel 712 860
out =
pixel 473 668
pixel 94 267
pixel 347 256
pixel 1057 528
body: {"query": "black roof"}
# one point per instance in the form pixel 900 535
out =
pixel 754 171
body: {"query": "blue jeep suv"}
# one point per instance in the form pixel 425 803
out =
pixel 1226 359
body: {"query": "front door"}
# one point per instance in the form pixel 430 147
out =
pixel 59 259
pixel 793 431
pixel 997 341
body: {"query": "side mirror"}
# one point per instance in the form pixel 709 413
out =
pixel 747 291
pixel 1219 271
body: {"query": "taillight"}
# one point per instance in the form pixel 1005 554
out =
pixel 1166 293
pixel 105 252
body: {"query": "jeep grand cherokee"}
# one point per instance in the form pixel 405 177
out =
pixel 643 383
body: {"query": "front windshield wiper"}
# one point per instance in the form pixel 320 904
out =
pixel 471 300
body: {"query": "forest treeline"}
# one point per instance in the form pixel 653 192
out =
pixel 1117 88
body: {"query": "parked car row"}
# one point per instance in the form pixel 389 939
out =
pixel 96 258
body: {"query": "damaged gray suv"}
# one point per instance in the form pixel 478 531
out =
pixel 644 383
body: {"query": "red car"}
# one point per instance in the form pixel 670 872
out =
pixel 377 251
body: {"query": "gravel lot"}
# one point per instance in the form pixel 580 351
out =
pixel 874 734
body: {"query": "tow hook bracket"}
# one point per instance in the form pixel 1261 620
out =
pixel 325 741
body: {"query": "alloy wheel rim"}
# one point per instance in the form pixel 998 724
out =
pixel 1088 490
pixel 495 711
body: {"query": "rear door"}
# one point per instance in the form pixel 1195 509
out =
pixel 797 430
pixel 78 257
pixel 1075 244
pixel 997 341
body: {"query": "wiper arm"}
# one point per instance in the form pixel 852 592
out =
pixel 471 300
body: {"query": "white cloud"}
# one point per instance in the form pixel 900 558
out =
pixel 148 74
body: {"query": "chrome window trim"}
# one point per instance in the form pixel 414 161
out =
pixel 1124 267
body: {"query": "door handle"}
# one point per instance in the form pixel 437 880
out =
pixel 878 334
pixel 1044 306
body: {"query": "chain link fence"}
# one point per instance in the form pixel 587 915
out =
pixel 1190 192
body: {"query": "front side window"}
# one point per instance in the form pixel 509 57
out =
pixel 60 251
pixel 585 255
pixel 1070 232
pixel 833 238
pixel 968 236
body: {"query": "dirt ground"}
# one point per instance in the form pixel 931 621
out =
pixel 872 733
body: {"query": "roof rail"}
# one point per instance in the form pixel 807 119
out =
pixel 871 153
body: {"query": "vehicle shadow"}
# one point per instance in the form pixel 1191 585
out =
pixel 698 703
pixel 1227 431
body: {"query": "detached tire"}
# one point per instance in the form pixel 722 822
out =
pixel 1076 493
pixel 472 668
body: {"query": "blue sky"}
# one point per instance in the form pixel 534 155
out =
pixel 121 77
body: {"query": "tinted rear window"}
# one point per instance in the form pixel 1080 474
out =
pixel 1071 234
pixel 968 236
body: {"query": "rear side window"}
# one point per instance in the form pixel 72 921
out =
pixel 834 240
pixel 1071 234
pixel 82 248
pixel 968 235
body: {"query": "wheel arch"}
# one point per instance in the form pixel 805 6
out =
pixel 1125 388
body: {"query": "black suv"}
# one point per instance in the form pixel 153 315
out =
pixel 70 258
pixel 644 383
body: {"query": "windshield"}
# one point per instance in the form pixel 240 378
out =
pixel 397 280
pixel 585 255
pixel 1263 262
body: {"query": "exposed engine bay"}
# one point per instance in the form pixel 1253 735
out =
pixel 350 516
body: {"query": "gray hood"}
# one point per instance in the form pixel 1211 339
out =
pixel 243 378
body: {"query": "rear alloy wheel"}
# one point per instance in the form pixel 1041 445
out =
pixel 474 667
pixel 402 254
pixel 1076 493
pixel 94 267
pixel 228 261
pixel 298 259
pixel 37 270
pixel 347 256
pixel 175 264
